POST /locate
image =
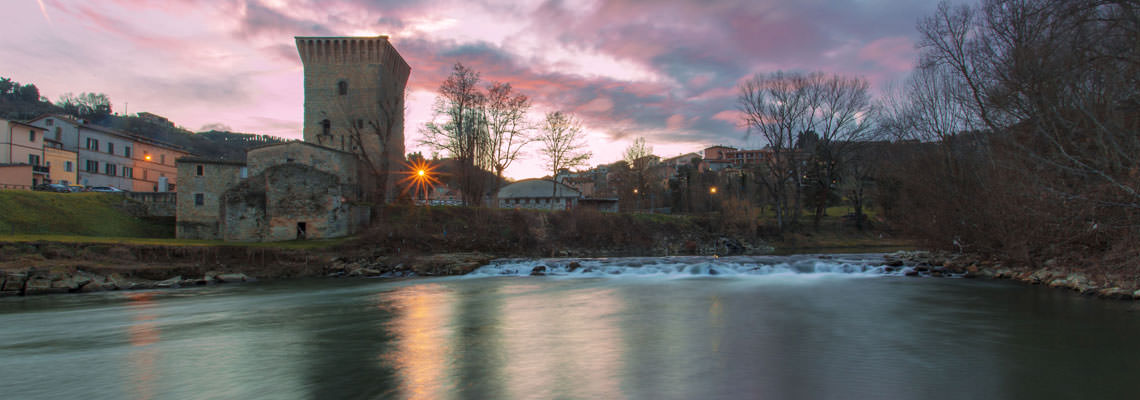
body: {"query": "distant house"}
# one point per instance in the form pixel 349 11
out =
pixel 22 144
pixel 110 157
pixel 539 194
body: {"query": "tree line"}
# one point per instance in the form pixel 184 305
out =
pixel 486 127
pixel 1032 108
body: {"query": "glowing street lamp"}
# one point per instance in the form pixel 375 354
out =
pixel 420 177
pixel 712 190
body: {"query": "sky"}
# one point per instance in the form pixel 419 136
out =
pixel 665 70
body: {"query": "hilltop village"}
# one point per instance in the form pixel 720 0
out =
pixel 350 157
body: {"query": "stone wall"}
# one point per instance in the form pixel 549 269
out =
pixel 157 204
pixel 271 205
pixel 331 161
pixel 297 194
pixel 202 221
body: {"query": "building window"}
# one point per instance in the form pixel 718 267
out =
pixel 129 172
pixel 49 122
pixel 127 151
pixel 201 170
pixel 31 136
pixel 144 174
pixel 110 169
pixel 326 127
pixel 342 88
pixel 67 166
pixel 92 144
pixel 244 172
pixel 92 166
pixel 199 199
pixel 110 148
pixel 162 158
pixel 33 159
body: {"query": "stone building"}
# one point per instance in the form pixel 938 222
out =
pixel 287 191
pixel 200 193
pixel 354 96
pixel 316 188
pixel 538 194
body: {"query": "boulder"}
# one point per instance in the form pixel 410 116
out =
pixel 364 272
pixel 117 282
pixel 573 266
pixel 230 278
pixel 67 283
pixel 40 285
pixel 894 263
pixel 14 282
pixel 174 282
pixel 538 271
pixel 97 285
pixel 911 272
pixel 1114 293
pixel 1039 276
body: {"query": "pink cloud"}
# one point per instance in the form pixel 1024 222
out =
pixel 896 53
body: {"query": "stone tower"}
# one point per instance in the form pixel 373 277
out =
pixel 354 86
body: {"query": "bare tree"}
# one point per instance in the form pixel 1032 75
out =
pixel 563 143
pixel 840 109
pixel 777 107
pixel 640 158
pixel 462 131
pixel 507 127
pixel 1034 104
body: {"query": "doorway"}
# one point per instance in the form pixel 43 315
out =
pixel 301 231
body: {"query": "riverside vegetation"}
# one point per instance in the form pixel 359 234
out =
pixel 57 256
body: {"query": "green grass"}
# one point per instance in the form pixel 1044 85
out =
pixel 83 214
pixel 292 244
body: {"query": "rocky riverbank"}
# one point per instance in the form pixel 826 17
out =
pixel 1103 284
pixel 49 268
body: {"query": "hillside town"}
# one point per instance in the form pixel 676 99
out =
pixel 317 188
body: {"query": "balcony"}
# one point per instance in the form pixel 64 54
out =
pixel 40 169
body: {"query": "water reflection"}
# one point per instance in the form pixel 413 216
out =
pixel 504 338
pixel 563 343
pixel 142 334
pixel 423 352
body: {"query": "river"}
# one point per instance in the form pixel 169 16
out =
pixel 793 327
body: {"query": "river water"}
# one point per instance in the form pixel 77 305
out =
pixel 795 327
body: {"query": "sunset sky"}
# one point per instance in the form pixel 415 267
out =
pixel 663 69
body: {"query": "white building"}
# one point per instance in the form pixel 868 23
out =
pixel 538 194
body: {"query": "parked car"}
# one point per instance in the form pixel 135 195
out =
pixel 105 189
pixel 53 187
pixel 77 188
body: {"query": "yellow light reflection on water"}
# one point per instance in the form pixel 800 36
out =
pixel 142 334
pixel 567 345
pixel 423 350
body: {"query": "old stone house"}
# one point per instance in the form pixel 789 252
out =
pixel 294 190
pixel 316 188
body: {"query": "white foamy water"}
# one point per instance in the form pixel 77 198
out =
pixel 683 267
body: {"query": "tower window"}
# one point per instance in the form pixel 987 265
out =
pixel 326 126
pixel 342 88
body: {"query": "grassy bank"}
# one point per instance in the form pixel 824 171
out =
pixel 144 241
pixel 75 214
